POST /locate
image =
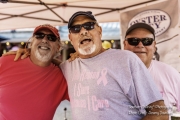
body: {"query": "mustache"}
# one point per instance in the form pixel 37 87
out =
pixel 44 45
pixel 85 37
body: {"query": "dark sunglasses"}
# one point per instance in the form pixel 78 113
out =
pixel 50 37
pixel 77 28
pixel 135 41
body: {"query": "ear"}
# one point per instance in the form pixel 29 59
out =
pixel 154 43
pixel 69 35
pixel 125 43
pixel 100 30
pixel 58 47
pixel 31 40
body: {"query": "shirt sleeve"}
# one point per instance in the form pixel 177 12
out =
pixel 142 90
pixel 174 77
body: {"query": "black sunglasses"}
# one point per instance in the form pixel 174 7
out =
pixel 50 37
pixel 135 41
pixel 77 28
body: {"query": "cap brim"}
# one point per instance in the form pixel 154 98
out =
pixel 36 30
pixel 140 25
pixel 78 14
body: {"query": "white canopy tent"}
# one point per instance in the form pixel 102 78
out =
pixel 29 13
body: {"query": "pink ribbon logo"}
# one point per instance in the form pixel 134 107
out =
pixel 103 77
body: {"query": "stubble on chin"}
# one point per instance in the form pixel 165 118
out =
pixel 43 57
pixel 87 50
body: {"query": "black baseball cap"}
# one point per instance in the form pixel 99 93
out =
pixel 86 13
pixel 141 25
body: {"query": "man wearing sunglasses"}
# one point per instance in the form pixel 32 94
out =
pixel 140 39
pixel 107 84
pixel 32 88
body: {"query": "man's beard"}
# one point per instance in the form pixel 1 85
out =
pixel 43 58
pixel 87 50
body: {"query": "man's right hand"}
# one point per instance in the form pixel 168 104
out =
pixel 23 53
pixel 73 56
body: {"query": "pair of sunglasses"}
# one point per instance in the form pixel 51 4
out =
pixel 50 37
pixel 77 28
pixel 136 41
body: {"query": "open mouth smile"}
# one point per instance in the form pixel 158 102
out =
pixel 43 47
pixel 85 41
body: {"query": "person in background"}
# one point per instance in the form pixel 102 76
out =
pixel 156 55
pixel 32 88
pixel 140 39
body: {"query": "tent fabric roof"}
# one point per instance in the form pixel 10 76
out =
pixel 30 13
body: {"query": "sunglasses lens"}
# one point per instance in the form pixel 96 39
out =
pixel 147 41
pixel 75 29
pixel 88 25
pixel 51 37
pixel 133 41
pixel 39 35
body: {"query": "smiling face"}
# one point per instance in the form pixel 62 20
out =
pixel 43 50
pixel 87 43
pixel 145 53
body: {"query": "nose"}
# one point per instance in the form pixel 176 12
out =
pixel 83 31
pixel 45 39
pixel 140 45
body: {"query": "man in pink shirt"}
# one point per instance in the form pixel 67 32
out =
pixel 140 39
pixel 32 88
